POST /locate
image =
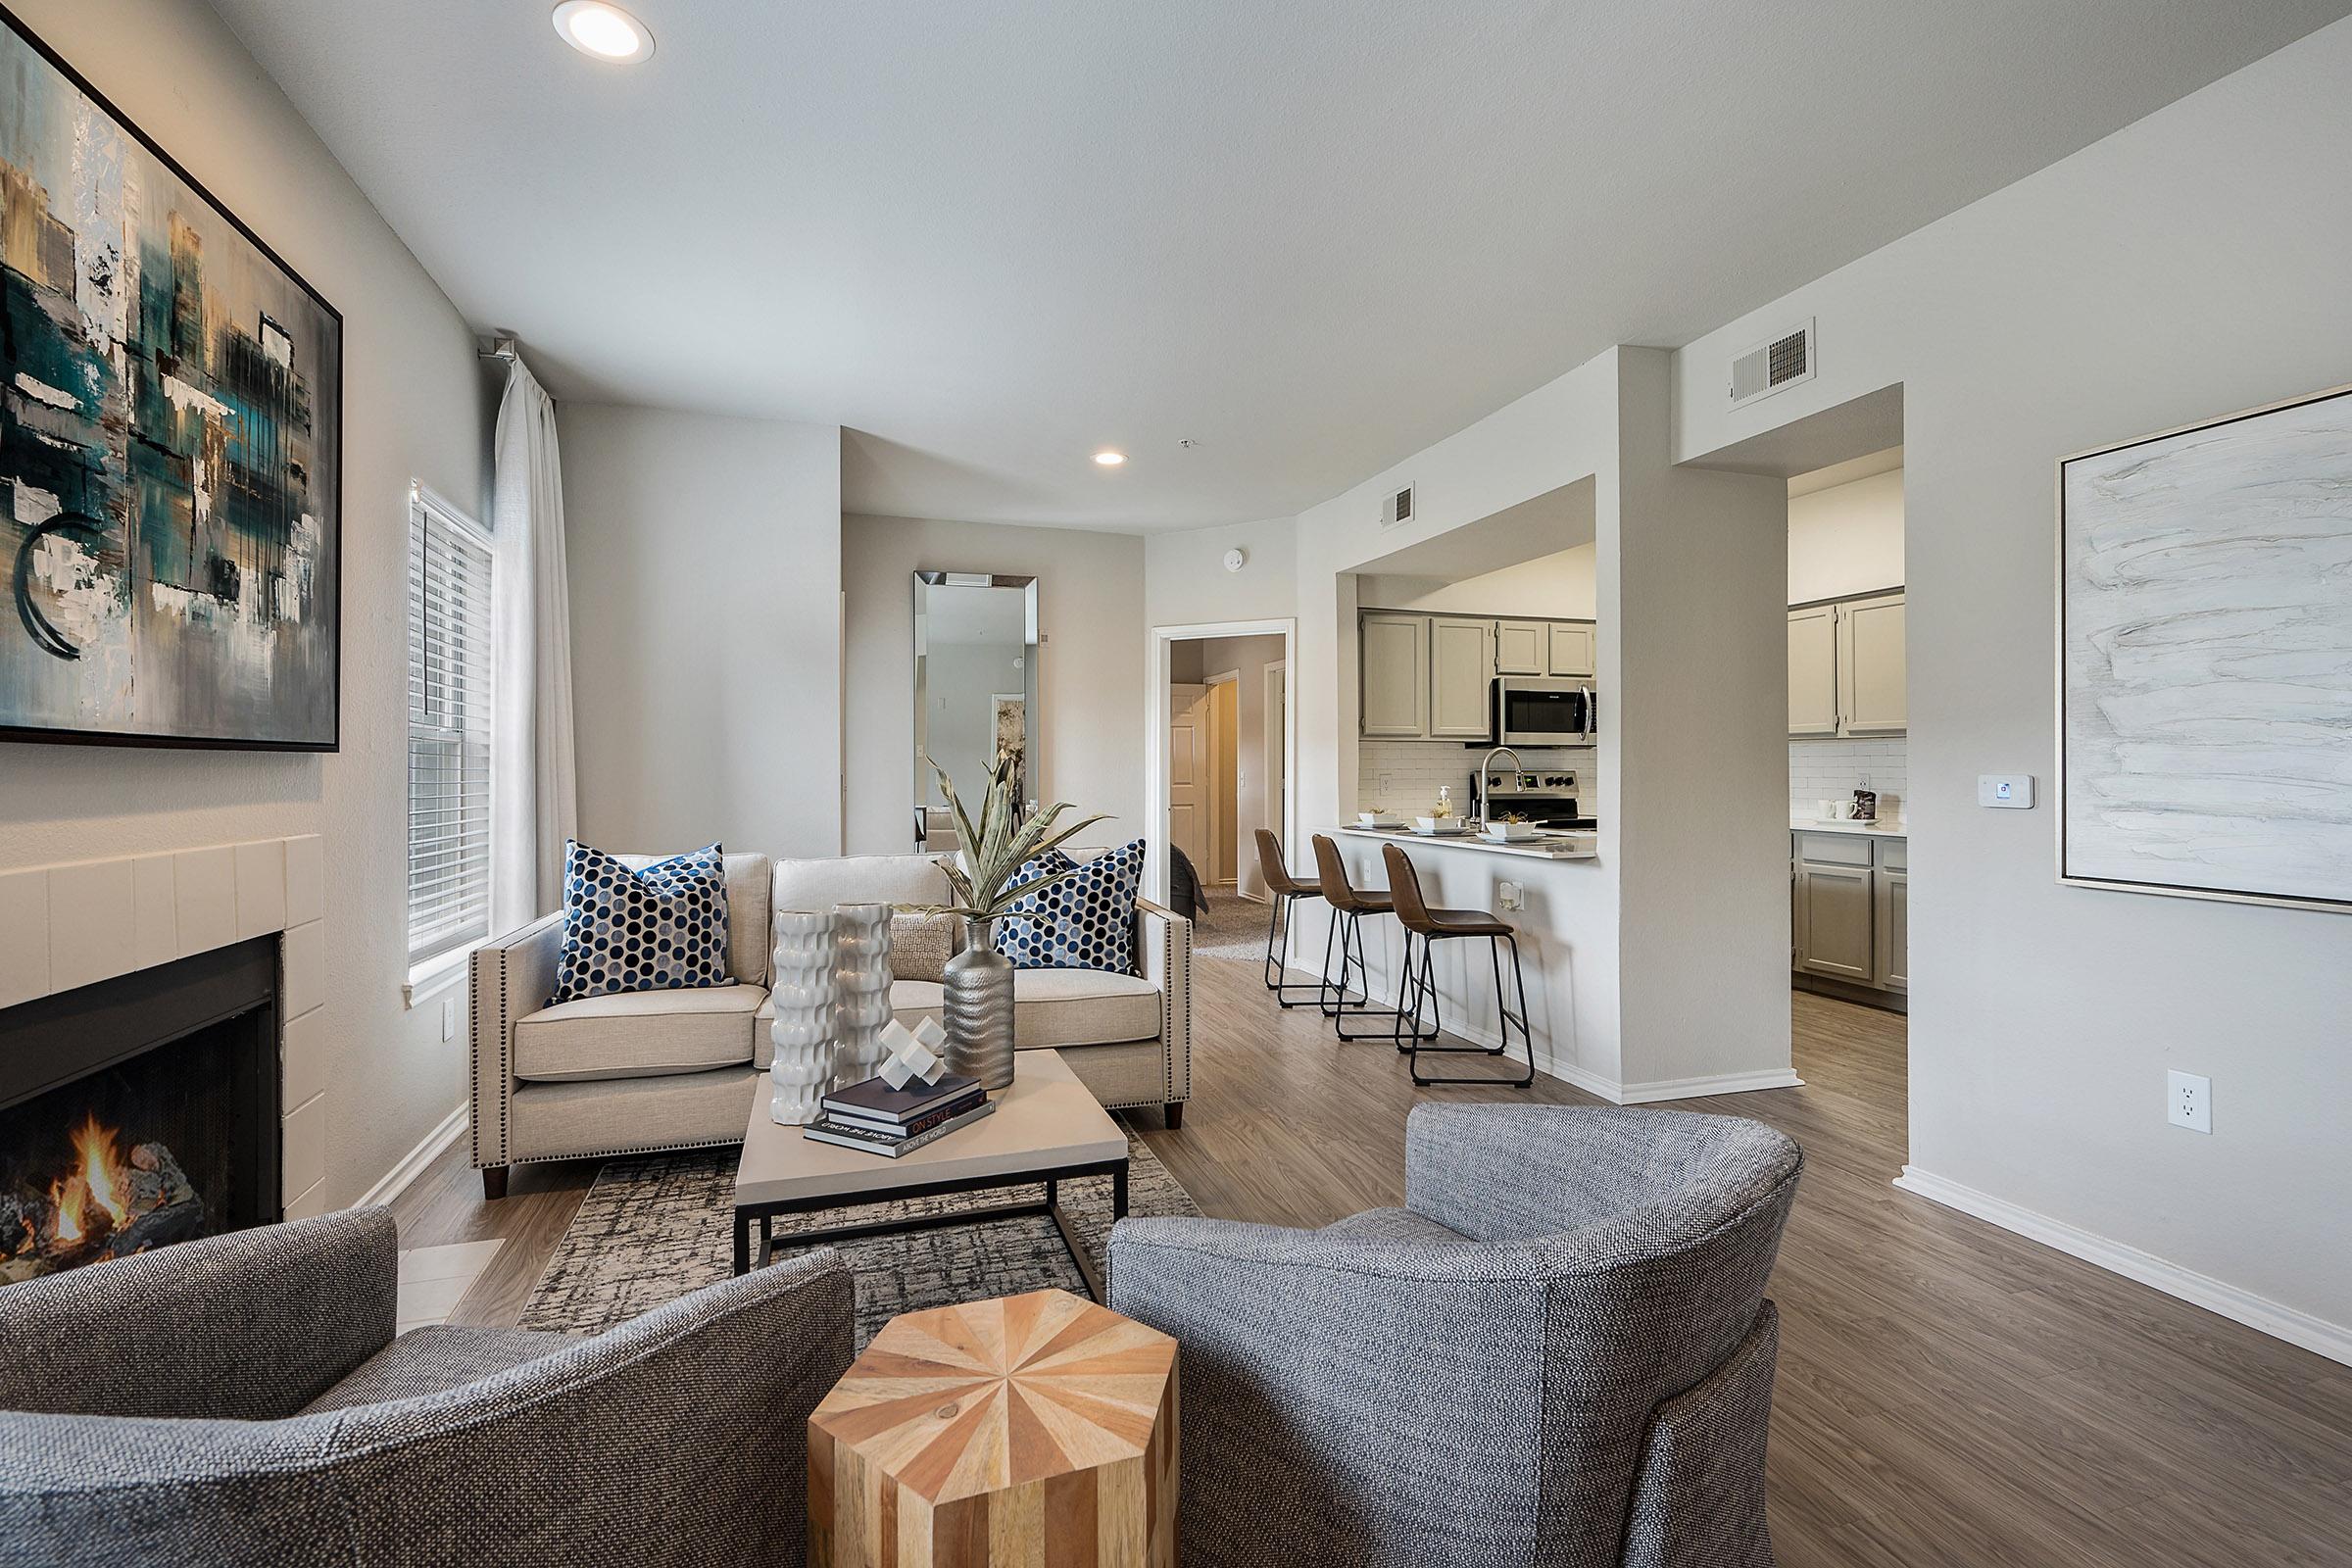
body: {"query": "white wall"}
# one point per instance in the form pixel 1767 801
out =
pixel 705 619
pixel 1558 585
pixel 1185 581
pixel 1090 606
pixel 415 408
pixel 1847 539
pixel 2187 265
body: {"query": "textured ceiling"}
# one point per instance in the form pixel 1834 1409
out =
pixel 1314 236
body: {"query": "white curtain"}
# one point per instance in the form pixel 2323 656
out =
pixel 534 792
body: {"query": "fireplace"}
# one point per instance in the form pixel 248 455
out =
pixel 140 1110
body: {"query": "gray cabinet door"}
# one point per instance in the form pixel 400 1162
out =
pixel 1462 677
pixel 1813 670
pixel 1873 670
pixel 1834 921
pixel 1894 933
pixel 1519 647
pixel 1395 676
pixel 1571 650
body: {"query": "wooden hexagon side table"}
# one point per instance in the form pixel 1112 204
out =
pixel 1033 1431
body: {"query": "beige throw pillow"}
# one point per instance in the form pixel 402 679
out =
pixel 921 946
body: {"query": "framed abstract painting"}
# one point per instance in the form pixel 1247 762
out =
pixel 170 445
pixel 2205 658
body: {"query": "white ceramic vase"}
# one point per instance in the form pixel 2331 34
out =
pixel 802 1032
pixel 861 990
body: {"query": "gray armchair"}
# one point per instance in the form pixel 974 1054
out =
pixel 241 1400
pixel 1558 1352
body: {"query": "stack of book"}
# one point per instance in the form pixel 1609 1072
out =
pixel 882 1121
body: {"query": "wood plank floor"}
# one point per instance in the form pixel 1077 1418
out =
pixel 1948 1394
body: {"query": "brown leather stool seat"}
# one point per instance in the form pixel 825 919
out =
pixel 1419 989
pixel 1287 890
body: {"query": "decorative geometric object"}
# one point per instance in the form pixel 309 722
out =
pixel 803 1033
pixel 2205 650
pixel 860 989
pixel 170 445
pixel 1079 915
pixel 1030 1429
pixel 912 1056
pixel 976 1005
pixel 658 927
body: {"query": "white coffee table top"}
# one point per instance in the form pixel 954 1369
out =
pixel 1047 1121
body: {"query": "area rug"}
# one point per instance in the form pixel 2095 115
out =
pixel 653 1228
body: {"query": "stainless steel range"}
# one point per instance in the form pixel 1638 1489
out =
pixel 1547 799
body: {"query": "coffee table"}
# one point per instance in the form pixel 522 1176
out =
pixel 1046 1128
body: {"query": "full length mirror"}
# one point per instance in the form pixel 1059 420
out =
pixel 975 690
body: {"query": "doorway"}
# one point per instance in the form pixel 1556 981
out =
pixel 1222 750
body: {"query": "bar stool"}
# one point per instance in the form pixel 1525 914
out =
pixel 1288 890
pixel 1433 926
pixel 1349 904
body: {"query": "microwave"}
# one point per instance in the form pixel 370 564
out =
pixel 1543 711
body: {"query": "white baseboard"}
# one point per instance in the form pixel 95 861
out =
pixel 413 1163
pixel 2240 1306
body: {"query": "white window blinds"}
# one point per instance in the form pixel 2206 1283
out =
pixel 449 730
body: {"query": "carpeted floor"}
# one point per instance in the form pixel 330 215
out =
pixel 1232 927
pixel 653 1228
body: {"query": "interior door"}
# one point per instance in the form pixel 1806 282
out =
pixel 1225 782
pixel 1189 771
pixel 1278 761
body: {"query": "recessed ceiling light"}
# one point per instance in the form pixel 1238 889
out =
pixel 603 31
pixel 1109 459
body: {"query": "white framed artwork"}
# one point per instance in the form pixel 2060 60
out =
pixel 2205 658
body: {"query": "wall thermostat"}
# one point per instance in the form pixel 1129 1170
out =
pixel 1235 558
pixel 2013 789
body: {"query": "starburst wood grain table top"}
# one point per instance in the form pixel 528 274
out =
pixel 1031 1427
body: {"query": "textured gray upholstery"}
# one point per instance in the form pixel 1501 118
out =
pixel 1559 1354
pixel 677 1439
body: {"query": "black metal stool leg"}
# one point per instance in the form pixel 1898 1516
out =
pixel 1351 953
pixel 1286 910
pixel 1507 1018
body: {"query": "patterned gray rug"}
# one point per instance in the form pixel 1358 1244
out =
pixel 653 1228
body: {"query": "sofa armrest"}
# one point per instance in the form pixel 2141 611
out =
pixel 248 1325
pixel 1163 944
pixel 512 977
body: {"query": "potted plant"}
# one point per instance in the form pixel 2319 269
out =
pixel 976 1005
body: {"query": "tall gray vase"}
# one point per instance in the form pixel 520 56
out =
pixel 976 1008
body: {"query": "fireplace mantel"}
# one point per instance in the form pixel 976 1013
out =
pixel 67 926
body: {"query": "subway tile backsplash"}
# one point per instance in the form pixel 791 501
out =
pixel 1832 770
pixel 1403 776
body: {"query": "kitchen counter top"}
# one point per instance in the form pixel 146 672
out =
pixel 1558 847
pixel 1870 830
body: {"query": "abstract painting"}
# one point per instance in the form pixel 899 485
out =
pixel 170 445
pixel 2205 707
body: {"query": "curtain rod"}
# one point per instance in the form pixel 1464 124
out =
pixel 502 347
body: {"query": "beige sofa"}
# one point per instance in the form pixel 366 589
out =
pixel 678 1069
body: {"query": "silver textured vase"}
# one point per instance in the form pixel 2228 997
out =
pixel 861 990
pixel 976 1008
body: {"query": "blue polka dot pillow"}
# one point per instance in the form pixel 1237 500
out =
pixel 663 927
pixel 1085 921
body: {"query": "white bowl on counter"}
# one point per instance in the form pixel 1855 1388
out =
pixel 1439 827
pixel 1511 832
pixel 1388 819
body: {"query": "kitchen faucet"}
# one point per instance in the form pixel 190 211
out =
pixel 1486 792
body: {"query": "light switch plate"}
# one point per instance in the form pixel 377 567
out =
pixel 2012 790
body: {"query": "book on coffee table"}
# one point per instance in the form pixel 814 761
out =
pixel 892 1145
pixel 874 1100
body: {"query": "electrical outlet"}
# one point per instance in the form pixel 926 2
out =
pixel 449 1018
pixel 2188 1102
pixel 1511 896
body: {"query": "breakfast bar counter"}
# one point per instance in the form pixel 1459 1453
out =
pixel 1550 847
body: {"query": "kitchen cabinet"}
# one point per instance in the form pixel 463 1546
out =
pixel 1521 648
pixel 1395 651
pixel 1813 670
pixel 1850 910
pixel 1848 668
pixel 1461 674
pixel 1569 650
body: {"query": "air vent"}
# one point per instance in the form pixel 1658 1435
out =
pixel 1398 509
pixel 1773 366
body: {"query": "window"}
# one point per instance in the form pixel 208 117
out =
pixel 449 730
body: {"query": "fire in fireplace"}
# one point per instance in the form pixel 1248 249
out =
pixel 139 1111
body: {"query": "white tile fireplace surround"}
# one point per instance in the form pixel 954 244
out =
pixel 66 926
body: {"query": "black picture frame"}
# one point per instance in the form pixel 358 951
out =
pixel 334 742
